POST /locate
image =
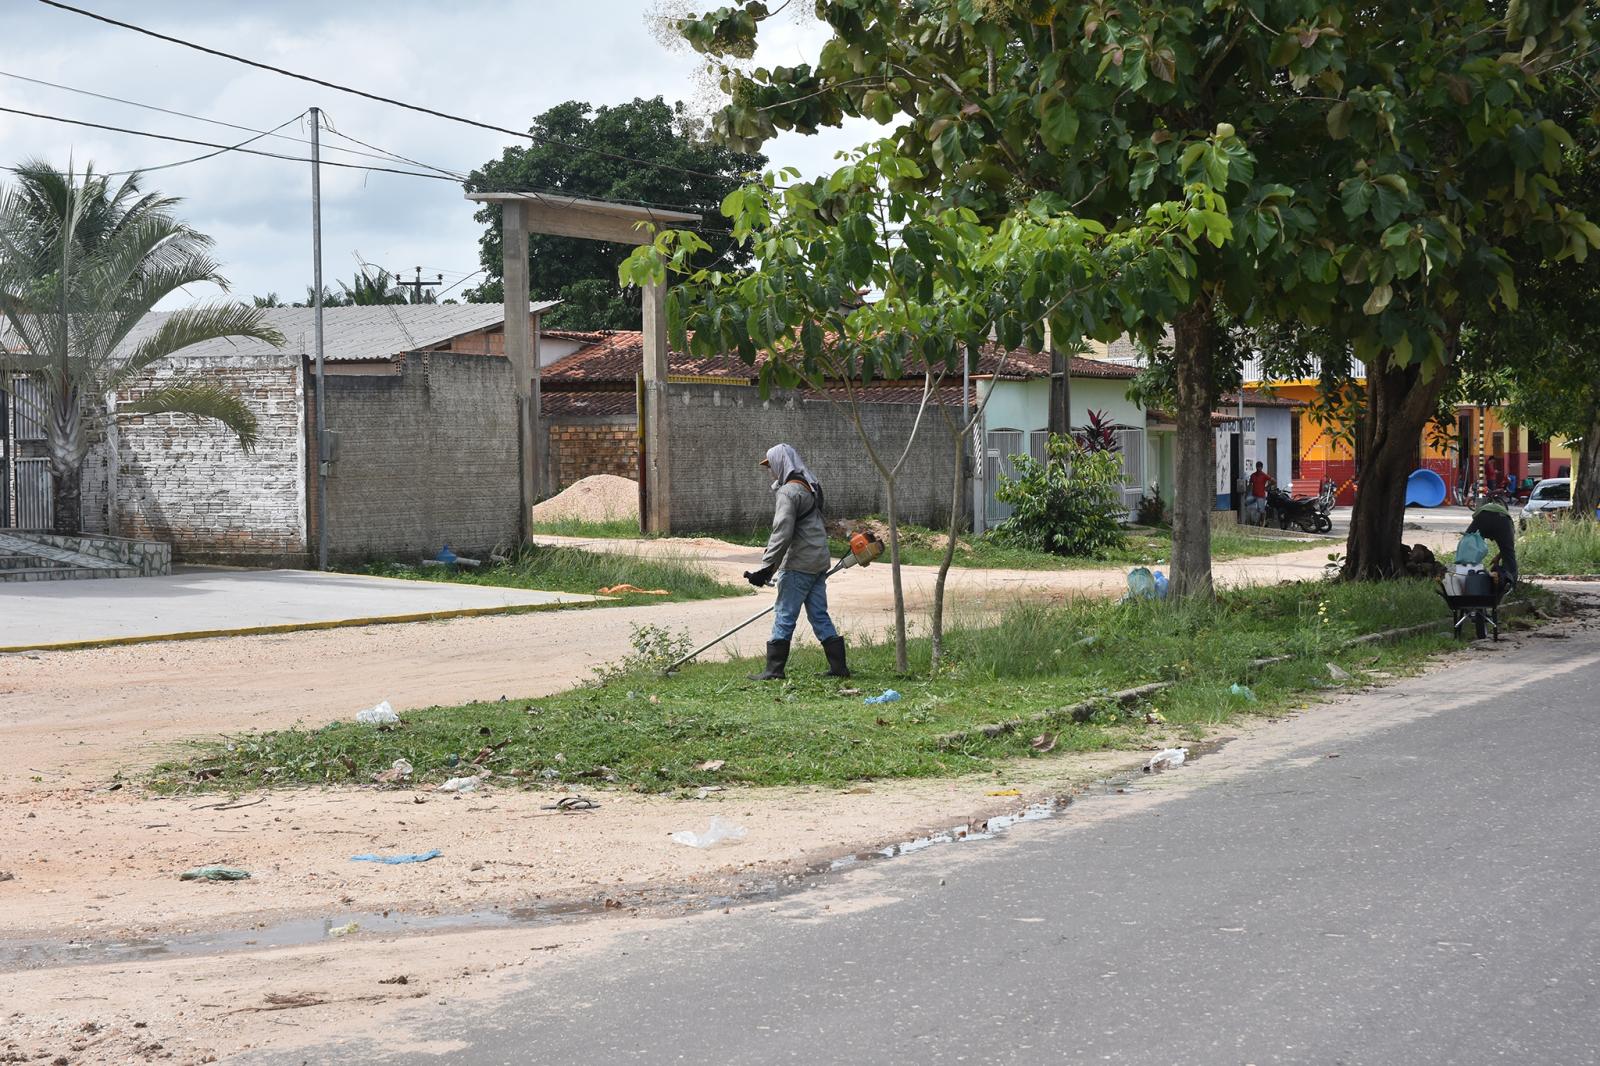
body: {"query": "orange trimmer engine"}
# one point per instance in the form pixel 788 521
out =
pixel 865 547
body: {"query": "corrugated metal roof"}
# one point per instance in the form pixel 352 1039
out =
pixel 349 334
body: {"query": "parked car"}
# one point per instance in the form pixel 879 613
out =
pixel 1548 496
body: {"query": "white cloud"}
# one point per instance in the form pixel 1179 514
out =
pixel 500 62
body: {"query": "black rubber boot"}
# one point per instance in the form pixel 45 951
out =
pixel 833 647
pixel 777 656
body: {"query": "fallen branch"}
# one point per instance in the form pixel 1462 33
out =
pixel 228 805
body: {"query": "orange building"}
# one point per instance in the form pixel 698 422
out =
pixel 1482 444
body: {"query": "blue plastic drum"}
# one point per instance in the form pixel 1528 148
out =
pixel 1424 488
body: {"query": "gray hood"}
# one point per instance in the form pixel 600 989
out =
pixel 785 463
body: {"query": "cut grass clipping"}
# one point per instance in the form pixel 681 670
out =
pixel 575 570
pixel 709 724
pixel 925 547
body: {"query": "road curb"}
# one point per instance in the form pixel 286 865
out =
pixel 295 627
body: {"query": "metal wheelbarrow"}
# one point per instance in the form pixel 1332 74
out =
pixel 1480 606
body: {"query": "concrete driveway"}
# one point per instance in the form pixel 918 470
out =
pixel 216 602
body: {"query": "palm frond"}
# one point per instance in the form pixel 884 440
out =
pixel 194 325
pixel 195 397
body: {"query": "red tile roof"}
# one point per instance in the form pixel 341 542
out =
pixel 587 402
pixel 1024 364
pixel 1259 398
pixel 616 357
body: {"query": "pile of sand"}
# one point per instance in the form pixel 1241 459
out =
pixel 598 498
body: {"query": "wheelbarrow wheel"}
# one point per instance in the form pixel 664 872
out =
pixel 1480 621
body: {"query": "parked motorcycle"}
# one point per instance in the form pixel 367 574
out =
pixel 1309 513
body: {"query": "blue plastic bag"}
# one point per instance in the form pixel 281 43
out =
pixel 398 860
pixel 888 695
pixel 1141 584
pixel 1471 549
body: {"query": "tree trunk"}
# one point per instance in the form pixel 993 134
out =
pixel 1194 351
pixel 64 443
pixel 66 499
pixel 949 552
pixel 1586 489
pixel 1388 448
pixel 902 661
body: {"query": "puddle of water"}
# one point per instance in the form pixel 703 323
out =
pixel 39 954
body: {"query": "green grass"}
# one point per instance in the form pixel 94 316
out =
pixel 574 570
pixel 920 546
pixel 1567 546
pixel 651 733
pixel 611 529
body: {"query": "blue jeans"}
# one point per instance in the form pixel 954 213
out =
pixel 796 590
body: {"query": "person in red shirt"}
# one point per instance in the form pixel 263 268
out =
pixel 1256 503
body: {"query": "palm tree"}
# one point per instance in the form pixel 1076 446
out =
pixel 82 261
pixel 368 290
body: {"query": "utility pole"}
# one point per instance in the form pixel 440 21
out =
pixel 418 285
pixel 324 453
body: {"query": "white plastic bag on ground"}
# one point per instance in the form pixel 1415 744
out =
pixel 382 714
pixel 718 831
pixel 461 784
pixel 1166 759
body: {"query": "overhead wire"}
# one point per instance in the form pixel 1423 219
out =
pixel 549 196
pixel 223 147
pixel 386 154
pixel 215 121
pixel 219 53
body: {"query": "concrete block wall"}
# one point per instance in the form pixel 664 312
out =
pixel 426 456
pixel 719 434
pixel 583 446
pixel 188 483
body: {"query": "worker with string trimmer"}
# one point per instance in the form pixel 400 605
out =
pixel 798 553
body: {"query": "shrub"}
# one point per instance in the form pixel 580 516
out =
pixel 1070 504
pixel 1152 508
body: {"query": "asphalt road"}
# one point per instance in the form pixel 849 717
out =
pixel 1429 895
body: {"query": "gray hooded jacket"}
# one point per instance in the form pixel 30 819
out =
pixel 799 539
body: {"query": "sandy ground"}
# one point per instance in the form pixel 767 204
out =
pixel 99 868
pixel 71 719
pixel 149 1005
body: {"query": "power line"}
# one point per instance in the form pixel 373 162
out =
pixel 458 282
pixel 220 122
pixel 386 154
pixel 183 162
pixel 374 96
pixel 208 155
pixel 548 196
pixel 223 147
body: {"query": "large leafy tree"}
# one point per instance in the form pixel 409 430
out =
pixel 596 154
pixel 1544 358
pixel 82 260
pixel 1378 152
pixel 943 282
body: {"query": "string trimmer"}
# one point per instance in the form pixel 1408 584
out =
pixel 864 548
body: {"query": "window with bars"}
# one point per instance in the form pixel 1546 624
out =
pixel 1130 443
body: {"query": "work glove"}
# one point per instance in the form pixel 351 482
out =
pixel 762 577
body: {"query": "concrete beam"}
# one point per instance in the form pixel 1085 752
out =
pixel 519 350
pixel 657 516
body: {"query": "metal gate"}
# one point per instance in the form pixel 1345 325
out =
pixel 25 483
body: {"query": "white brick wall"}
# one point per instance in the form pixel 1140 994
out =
pixel 189 483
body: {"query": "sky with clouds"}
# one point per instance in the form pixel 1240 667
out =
pixel 497 62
